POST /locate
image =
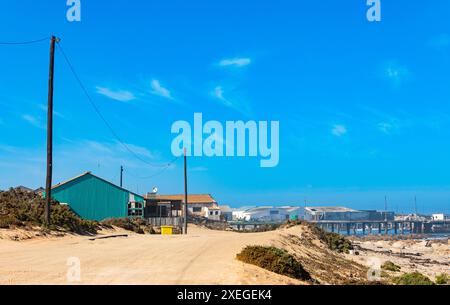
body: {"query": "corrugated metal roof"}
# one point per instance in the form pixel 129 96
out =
pixel 330 209
pixel 91 174
pixel 265 208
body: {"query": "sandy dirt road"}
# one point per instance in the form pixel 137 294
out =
pixel 203 257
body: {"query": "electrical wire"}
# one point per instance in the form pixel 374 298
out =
pixel 156 174
pixel 97 110
pixel 24 42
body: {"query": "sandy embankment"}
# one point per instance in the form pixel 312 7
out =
pixel 202 257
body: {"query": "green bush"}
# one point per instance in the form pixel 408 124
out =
pixel 334 241
pixel 8 221
pixel 415 279
pixel 130 224
pixel 442 279
pixel 275 260
pixel 22 209
pixel 390 266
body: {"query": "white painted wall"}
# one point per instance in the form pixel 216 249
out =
pixel 212 213
pixel 440 217
pixel 262 214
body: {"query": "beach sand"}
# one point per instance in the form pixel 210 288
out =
pixel 430 258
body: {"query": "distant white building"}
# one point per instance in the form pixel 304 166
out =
pixel 226 212
pixel 413 217
pixel 345 214
pixel 441 217
pixel 213 213
pixel 268 214
pixel 328 213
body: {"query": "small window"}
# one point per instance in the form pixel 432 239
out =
pixel 196 209
pixel 211 213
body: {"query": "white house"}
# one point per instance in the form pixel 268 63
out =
pixel 198 204
pixel 213 213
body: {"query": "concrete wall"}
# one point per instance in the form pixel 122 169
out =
pixel 213 214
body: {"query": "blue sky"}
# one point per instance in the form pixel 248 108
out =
pixel 364 108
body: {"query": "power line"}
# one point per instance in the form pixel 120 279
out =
pixel 25 42
pixel 156 174
pixel 97 110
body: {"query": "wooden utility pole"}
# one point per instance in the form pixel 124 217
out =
pixel 385 208
pixel 48 190
pixel 121 176
pixel 415 205
pixel 185 194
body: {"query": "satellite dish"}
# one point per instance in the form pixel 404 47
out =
pixel 155 190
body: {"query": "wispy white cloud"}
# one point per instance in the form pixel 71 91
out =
pixel 339 130
pixel 218 93
pixel 113 149
pixel 44 108
pixel 33 120
pixel 26 165
pixel 387 123
pixel 230 99
pixel 235 62
pixel 139 150
pixel 389 127
pixel 158 89
pixel 385 127
pixel 118 95
pixel 396 73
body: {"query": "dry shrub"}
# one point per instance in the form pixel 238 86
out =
pixel 390 266
pixel 442 279
pixel 275 260
pixel 25 209
pixel 415 279
pixel 334 241
pixel 136 225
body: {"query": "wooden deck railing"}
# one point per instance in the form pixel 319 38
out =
pixel 165 221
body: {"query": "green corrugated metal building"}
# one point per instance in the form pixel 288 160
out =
pixel 94 198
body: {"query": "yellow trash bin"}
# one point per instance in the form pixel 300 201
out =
pixel 166 230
